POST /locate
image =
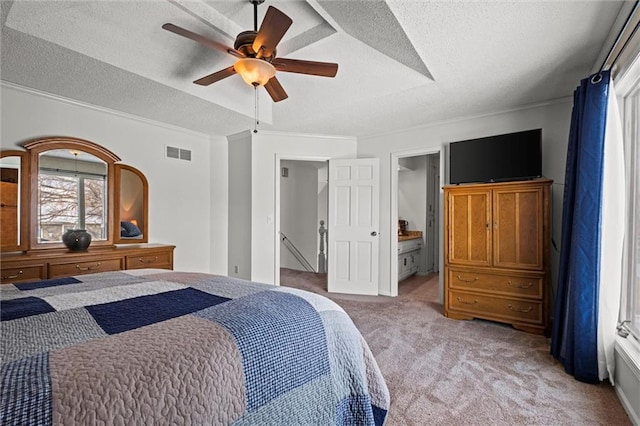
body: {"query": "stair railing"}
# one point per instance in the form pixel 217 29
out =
pixel 296 253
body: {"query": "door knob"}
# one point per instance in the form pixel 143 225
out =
pixel 374 233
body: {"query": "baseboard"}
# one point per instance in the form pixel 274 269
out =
pixel 627 376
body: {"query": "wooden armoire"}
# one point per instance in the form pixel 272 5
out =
pixel 497 253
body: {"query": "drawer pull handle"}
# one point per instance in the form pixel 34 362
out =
pixel 467 280
pixel 524 311
pixel 141 260
pixel 10 277
pixel 89 268
pixel 467 303
pixel 520 285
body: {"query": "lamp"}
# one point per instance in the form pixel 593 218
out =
pixel 255 72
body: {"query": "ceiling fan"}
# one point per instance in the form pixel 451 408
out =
pixel 256 52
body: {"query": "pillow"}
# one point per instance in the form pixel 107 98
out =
pixel 128 229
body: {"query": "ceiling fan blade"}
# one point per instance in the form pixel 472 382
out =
pixel 211 44
pixel 216 76
pixel 275 90
pixel 274 25
pixel 323 69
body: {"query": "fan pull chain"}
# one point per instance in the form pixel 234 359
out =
pixel 255 113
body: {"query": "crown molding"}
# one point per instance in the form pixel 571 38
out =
pixel 565 99
pixel 304 135
pixel 74 102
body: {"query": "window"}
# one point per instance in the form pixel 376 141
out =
pixel 629 93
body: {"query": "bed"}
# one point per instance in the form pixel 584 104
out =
pixel 162 347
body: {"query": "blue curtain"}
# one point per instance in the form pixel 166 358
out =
pixel 575 327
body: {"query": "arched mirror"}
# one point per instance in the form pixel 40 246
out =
pixel 131 205
pixel 63 183
pixel 72 187
pixel 14 172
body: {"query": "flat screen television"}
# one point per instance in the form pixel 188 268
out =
pixel 512 156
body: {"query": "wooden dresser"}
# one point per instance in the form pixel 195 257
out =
pixel 497 253
pixel 43 264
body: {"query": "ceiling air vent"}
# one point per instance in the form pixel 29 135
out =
pixel 178 153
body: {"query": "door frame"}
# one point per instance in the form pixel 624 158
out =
pixel 433 187
pixel 276 214
pixel 393 225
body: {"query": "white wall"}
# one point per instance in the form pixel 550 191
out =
pixel 627 376
pixel 554 118
pixel 219 205
pixel 179 191
pixel 240 199
pixel 191 203
pixel 268 148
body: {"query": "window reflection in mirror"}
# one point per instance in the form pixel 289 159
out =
pixel 10 201
pixel 132 201
pixel 72 194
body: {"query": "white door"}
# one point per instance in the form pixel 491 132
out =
pixel 354 195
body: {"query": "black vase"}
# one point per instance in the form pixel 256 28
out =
pixel 76 239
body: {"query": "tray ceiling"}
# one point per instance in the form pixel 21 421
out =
pixel 401 63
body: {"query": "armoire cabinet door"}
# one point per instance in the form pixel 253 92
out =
pixel 518 227
pixel 468 221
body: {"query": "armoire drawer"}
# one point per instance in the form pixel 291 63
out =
pixel 158 260
pixel 530 286
pixel 496 308
pixel 86 267
pixel 18 275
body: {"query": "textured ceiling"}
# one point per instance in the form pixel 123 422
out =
pixel 401 63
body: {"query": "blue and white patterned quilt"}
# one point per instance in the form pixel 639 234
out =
pixel 163 347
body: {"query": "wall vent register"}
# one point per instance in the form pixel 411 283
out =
pixel 178 153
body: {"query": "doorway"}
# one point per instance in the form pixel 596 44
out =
pixel 416 198
pixel 303 210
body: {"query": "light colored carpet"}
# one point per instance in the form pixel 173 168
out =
pixel 443 371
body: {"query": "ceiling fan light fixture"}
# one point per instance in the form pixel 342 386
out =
pixel 255 72
pixel 256 53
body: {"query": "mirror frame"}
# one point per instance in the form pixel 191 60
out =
pixel 24 215
pixel 38 146
pixel 145 206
